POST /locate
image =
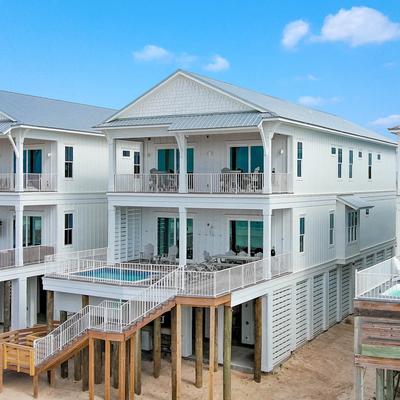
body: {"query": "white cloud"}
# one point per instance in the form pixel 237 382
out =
pixel 388 121
pixel 314 101
pixel 151 52
pixel 185 60
pixel 358 26
pixel 390 64
pixel 218 63
pixel 293 32
pixel 311 77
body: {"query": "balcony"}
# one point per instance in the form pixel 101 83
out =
pixel 31 182
pixel 31 254
pixel 206 183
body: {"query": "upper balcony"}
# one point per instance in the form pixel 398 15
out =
pixel 31 182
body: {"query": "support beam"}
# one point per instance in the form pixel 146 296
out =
pixel 216 342
pixel 91 368
pixel 358 371
pixel 107 370
pixel 389 384
pixel 199 312
pixel 50 310
pixel 211 355
pixel 19 162
pixel 85 354
pixel 257 338
pixel 122 372
pixel 78 366
pixel 132 368
pixel 114 365
pixel 138 363
pixel 380 384
pixel 64 365
pixel 1 368
pixel 7 306
pixel 98 362
pixel 227 390
pixel 35 381
pixel 156 347
pixel 182 236
pixel 176 320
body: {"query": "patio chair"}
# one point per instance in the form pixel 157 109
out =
pixel 226 180
pixel 172 254
pixel 230 253
pixel 153 180
pixel 255 180
pixel 243 254
pixel 148 253
pixel 259 255
pixel 206 255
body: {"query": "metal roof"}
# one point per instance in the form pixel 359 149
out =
pixel 194 121
pixel 37 111
pixel 354 202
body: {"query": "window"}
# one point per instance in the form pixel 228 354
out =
pixel 136 162
pixel 369 165
pixel 378 157
pixel 126 153
pixel 245 235
pixel 302 223
pixel 31 231
pixel 168 160
pixel 352 226
pixel 68 228
pixel 247 158
pixel 69 159
pixel 168 235
pixel 333 151
pixel 32 161
pixel 360 154
pixel 331 228
pixel 299 159
pixel 340 162
pixel 350 164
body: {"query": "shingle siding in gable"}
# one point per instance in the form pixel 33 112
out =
pixel 183 96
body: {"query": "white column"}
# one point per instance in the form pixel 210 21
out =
pixel 111 233
pixel 182 145
pixel 18 303
pixel 19 216
pixel 32 301
pixel 19 163
pixel 182 235
pixel 264 335
pixel 111 164
pixel 267 233
pixel 266 137
pixel 398 165
pixel 187 337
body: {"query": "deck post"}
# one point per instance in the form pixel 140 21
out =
pixel 78 366
pixel 257 338
pixel 389 384
pixel 50 310
pixel 1 367
pixel 132 367
pixel 227 353
pixel 156 347
pixel 199 346
pixel 121 367
pixel 107 370
pixel 358 371
pixel 114 365
pixel 211 354
pixel 98 362
pixel 138 363
pixel 380 384
pixel 64 365
pixel 35 381
pixel 85 355
pixel 7 306
pixel 91 368
pixel 176 322
pixel 216 342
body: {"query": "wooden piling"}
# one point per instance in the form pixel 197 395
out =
pixel 78 366
pixel 107 370
pixel 35 381
pixel 64 365
pixel 91 368
pixel 211 355
pixel 380 384
pixel 98 362
pixel 176 352
pixel 257 338
pixel 227 391
pixel 114 365
pixel 1 367
pixel 216 342
pixel 138 363
pixel 7 306
pixel 121 367
pixel 50 310
pixel 156 347
pixel 85 355
pixel 389 384
pixel 132 367
pixel 199 346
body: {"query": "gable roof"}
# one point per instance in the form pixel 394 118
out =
pixel 23 109
pixel 268 105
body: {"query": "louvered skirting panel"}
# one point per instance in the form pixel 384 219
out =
pixel 380 256
pixel 369 261
pixel 318 304
pixel 281 324
pixel 332 297
pixel 346 290
pixel 389 253
pixel 301 312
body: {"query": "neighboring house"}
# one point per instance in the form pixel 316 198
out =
pixel 53 179
pixel 269 206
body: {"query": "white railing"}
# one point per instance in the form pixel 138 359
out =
pixel 31 255
pixel 147 183
pixel 281 182
pixel 40 182
pixel 231 182
pixel 379 282
pixel 109 316
pixel 281 264
pixel 122 274
pixel 92 254
pixel 7 182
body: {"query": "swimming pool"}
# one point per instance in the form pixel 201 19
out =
pixel 112 274
pixel 394 291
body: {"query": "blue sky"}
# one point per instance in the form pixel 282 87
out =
pixel 338 56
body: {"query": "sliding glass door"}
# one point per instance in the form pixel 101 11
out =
pixel 245 235
pixel 31 231
pixel 32 161
pixel 168 160
pixel 247 158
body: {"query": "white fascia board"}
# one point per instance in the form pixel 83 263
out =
pixel 25 271
pixel 50 129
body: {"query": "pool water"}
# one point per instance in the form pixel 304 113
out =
pixel 116 275
pixel 393 291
